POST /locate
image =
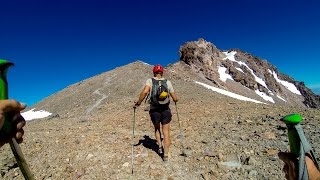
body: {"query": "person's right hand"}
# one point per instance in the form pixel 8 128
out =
pixel 290 167
pixel 13 108
pixel 136 104
pixel 174 97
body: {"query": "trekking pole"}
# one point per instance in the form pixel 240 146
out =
pixel 133 124
pixel 178 116
pixel 178 119
pixel 299 145
pixel 145 101
pixel 183 152
pixel 7 126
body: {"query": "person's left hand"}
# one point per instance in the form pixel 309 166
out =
pixel 13 108
pixel 290 167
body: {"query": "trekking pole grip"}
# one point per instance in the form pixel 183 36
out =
pixel 8 128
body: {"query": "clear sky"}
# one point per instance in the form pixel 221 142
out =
pixel 55 43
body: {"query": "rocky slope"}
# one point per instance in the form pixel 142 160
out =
pixel 90 134
pixel 247 70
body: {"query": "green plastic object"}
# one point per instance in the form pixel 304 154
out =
pixel 4 65
pixel 292 119
pixel 7 129
pixel 294 140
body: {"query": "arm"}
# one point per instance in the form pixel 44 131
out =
pixel 174 97
pixel 143 94
pixel 171 91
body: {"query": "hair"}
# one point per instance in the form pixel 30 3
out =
pixel 155 74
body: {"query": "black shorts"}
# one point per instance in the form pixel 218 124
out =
pixel 160 116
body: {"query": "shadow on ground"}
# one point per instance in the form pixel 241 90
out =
pixel 149 143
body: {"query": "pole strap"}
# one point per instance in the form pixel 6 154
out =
pixel 305 147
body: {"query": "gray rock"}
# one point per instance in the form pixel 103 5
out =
pixel 253 173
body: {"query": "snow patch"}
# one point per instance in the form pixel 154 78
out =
pixel 239 69
pixel 281 98
pixel 32 114
pixel 259 80
pixel 291 87
pixel 264 96
pixel 223 75
pixel 227 93
pixel 230 56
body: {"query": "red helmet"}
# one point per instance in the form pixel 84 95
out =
pixel 158 68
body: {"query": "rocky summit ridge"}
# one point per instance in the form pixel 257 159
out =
pixel 247 70
pixel 217 136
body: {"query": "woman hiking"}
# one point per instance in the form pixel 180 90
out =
pixel 159 89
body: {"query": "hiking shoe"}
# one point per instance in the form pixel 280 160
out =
pixel 166 157
pixel 160 151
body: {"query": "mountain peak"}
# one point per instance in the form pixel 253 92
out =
pixel 252 72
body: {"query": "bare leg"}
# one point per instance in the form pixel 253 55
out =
pixel 157 133
pixel 166 138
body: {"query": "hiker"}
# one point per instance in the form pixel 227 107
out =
pixel 291 166
pixel 12 108
pixel 160 112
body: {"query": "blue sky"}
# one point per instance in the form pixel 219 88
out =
pixel 57 43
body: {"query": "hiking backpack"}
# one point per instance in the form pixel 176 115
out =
pixel 158 87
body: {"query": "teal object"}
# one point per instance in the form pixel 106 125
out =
pixel 294 141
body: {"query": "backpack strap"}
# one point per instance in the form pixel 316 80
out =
pixel 145 101
pixel 305 147
pixel 153 90
pixel 165 83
